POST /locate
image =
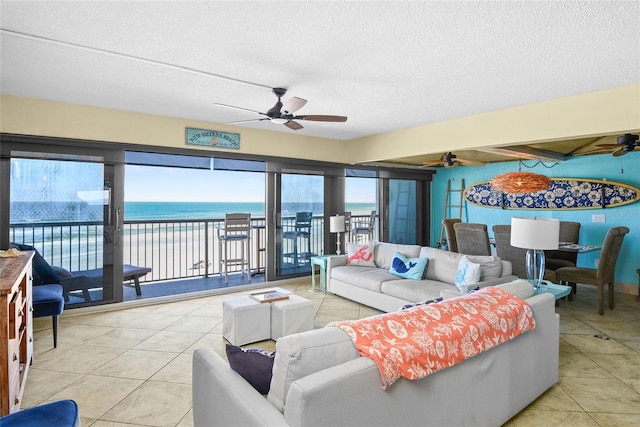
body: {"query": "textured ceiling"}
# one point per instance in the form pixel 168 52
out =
pixel 386 65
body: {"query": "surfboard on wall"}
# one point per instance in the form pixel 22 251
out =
pixel 564 193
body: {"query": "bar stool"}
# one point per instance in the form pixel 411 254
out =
pixel 301 230
pixel 237 231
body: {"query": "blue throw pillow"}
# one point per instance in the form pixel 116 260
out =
pixel 254 365
pixel 408 268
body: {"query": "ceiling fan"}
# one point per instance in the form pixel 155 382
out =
pixel 449 160
pixel 282 113
pixel 626 144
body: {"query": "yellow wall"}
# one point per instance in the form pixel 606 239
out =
pixel 54 119
pixel 593 114
pixel 598 113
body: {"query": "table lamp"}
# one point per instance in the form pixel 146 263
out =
pixel 336 225
pixel 536 235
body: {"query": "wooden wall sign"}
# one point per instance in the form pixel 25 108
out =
pixel 212 138
pixel 564 193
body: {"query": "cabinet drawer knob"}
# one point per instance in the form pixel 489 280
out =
pixel 16 400
pixel 15 357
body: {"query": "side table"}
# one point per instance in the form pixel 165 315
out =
pixel 320 261
pixel 558 291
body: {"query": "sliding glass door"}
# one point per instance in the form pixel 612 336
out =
pixel 66 207
pixel 300 225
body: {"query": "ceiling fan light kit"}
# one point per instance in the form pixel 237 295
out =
pixel 282 113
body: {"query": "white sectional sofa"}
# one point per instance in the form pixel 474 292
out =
pixel 320 380
pixel 377 288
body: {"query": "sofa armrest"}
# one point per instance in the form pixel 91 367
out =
pixel 452 293
pixel 497 281
pixel 507 268
pixel 221 397
pixel 334 261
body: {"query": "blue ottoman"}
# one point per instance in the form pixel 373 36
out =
pixel 63 413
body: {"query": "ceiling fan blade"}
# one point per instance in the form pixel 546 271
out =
pixel 620 152
pixel 247 121
pixel 608 145
pixel 294 104
pixel 470 162
pixel 293 125
pixel 238 108
pixel 431 164
pixel 322 118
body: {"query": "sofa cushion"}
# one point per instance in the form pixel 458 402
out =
pixel 254 365
pixel 408 268
pixel 361 254
pixel 490 266
pixel 468 274
pixel 302 354
pixel 414 290
pixel 385 252
pixel 442 266
pixel 370 278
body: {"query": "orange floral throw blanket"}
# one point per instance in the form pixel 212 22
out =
pixel 421 340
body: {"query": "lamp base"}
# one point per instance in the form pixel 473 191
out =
pixel 535 268
pixel 338 245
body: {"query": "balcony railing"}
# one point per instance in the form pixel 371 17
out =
pixel 173 249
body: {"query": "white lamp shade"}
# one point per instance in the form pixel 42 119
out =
pixel 535 233
pixel 336 224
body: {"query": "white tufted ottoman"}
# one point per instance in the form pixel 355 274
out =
pixel 245 320
pixel 291 316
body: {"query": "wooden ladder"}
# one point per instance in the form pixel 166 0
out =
pixel 449 205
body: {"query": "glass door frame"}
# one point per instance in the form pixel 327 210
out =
pixel 111 156
pixel 333 203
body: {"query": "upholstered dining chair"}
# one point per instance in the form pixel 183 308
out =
pixel 569 233
pixel 47 301
pixel 516 256
pixel 472 239
pixel 604 274
pixel 450 233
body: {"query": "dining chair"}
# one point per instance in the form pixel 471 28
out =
pixel 47 300
pixel 450 233
pixel 569 233
pixel 516 256
pixel 301 230
pixel 365 229
pixel 236 232
pixel 472 239
pixel 61 413
pixel 601 276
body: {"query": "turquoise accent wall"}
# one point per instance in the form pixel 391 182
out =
pixel 624 169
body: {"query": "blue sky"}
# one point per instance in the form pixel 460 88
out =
pixel 151 184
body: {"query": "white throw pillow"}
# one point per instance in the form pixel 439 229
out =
pixel 468 274
pixel 361 255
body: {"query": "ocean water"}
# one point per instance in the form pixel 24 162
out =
pixel 139 211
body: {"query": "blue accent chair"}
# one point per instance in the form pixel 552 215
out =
pixel 63 413
pixel 48 301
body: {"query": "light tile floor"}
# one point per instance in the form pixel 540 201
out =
pixel 132 367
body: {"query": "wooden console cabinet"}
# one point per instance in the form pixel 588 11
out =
pixel 16 329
